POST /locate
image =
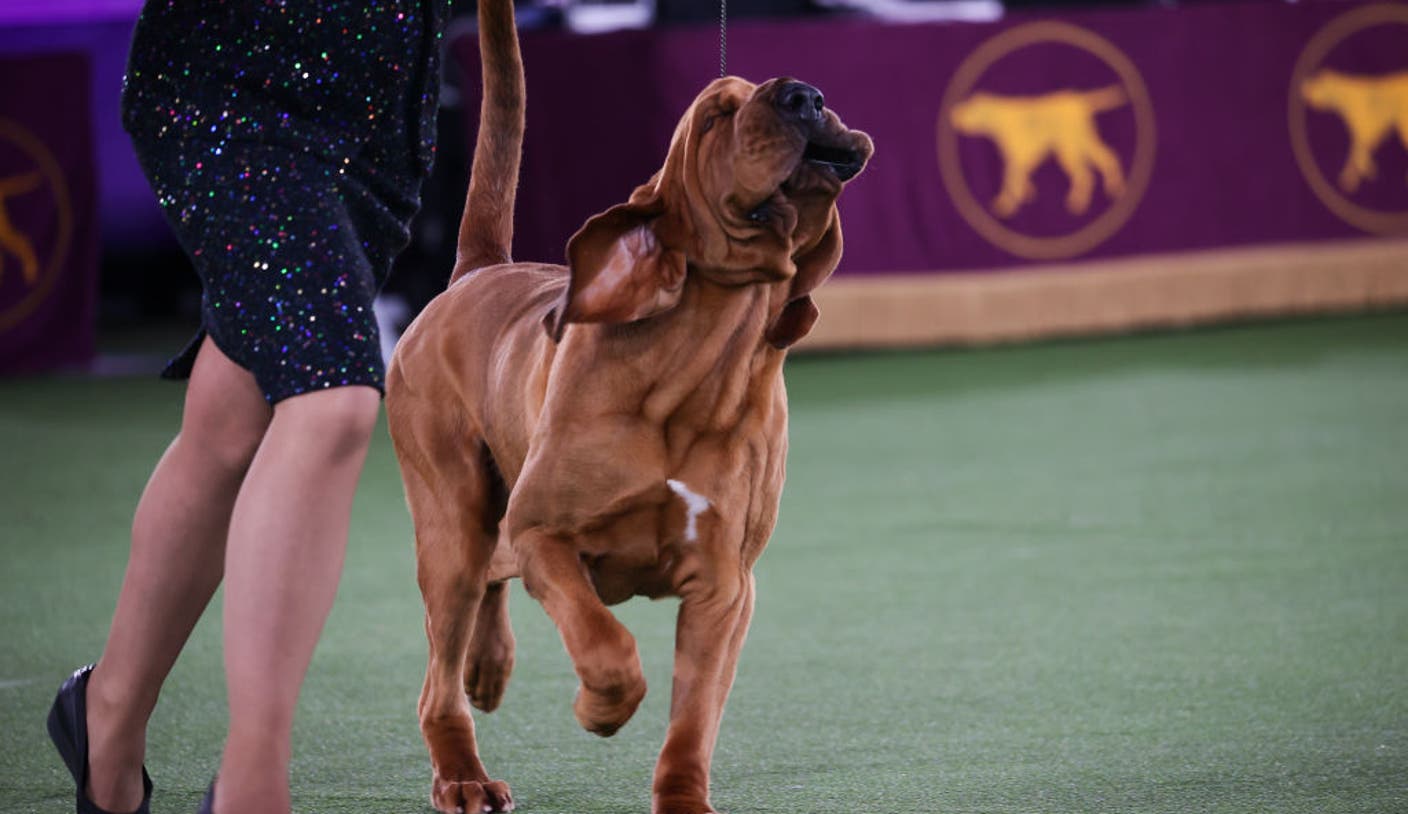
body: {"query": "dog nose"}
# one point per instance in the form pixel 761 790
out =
pixel 800 101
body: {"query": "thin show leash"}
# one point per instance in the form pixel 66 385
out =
pixel 723 37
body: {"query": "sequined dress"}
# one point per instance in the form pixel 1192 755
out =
pixel 287 142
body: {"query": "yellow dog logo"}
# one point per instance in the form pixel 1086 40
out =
pixel 36 223
pixel 1371 107
pixel 11 239
pixel 1050 122
pixel 1029 129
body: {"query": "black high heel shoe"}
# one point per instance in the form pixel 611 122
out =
pixel 68 729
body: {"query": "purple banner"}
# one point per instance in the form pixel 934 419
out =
pixel 48 235
pixel 1036 138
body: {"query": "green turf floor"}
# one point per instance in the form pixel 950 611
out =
pixel 1153 574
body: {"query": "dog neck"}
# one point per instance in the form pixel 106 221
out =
pixel 706 357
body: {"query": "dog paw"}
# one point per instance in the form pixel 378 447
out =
pixel 470 796
pixel 607 708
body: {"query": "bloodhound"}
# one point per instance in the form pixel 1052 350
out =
pixel 616 427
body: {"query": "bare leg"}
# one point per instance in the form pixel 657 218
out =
pixel 288 536
pixel 177 560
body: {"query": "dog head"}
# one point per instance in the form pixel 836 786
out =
pixel 747 195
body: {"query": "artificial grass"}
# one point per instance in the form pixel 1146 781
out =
pixel 1153 574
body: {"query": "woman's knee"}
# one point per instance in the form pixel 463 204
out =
pixel 339 420
pixel 225 415
pixel 226 441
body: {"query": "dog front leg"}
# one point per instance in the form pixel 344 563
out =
pixel 708 638
pixel 603 652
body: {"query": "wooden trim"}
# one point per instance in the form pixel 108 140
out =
pixel 899 310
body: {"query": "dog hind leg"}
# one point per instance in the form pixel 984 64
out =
pixel 453 499
pixel 489 661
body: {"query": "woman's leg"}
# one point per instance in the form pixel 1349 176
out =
pixel 177 559
pixel 286 544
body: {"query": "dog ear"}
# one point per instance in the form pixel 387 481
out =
pixel 621 272
pixel 800 313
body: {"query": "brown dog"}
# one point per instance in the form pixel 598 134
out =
pixel 617 427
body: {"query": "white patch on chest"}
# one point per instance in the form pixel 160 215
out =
pixel 694 504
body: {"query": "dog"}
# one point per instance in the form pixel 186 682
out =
pixel 1371 107
pixel 1028 129
pixel 616 427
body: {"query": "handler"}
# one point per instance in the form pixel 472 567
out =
pixel 286 142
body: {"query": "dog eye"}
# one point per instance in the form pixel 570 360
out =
pixel 713 118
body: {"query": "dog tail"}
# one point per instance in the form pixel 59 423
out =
pixel 1107 98
pixel 486 228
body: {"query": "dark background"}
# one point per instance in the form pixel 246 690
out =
pixel 150 280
